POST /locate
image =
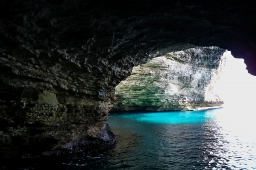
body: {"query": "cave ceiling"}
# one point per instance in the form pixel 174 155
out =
pixel 88 31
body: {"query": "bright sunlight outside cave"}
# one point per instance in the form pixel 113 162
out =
pixel 236 86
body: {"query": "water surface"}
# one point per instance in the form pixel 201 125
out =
pixel 211 139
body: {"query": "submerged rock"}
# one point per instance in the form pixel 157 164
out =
pixel 182 80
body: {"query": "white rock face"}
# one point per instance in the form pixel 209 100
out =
pixel 182 80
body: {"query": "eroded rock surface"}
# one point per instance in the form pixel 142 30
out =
pixel 61 60
pixel 182 80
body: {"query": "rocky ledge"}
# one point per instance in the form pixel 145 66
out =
pixel 182 80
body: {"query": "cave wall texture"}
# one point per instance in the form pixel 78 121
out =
pixel 181 80
pixel 61 60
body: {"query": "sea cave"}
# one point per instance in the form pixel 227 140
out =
pixel 68 66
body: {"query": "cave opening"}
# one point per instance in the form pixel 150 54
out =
pixel 187 80
pixel 192 133
pixel 235 85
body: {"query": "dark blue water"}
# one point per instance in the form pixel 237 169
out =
pixel 211 139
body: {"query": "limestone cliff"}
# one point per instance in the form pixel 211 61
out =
pixel 182 80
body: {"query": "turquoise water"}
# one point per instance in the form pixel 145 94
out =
pixel 168 117
pixel 210 139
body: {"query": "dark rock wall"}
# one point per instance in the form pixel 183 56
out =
pixel 61 60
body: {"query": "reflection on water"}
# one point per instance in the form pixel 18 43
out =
pixel 212 139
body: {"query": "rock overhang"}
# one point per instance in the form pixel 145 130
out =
pixel 85 26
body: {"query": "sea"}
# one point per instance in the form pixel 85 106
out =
pixel 223 138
